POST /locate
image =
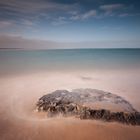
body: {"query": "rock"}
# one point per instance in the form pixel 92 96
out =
pixel 75 104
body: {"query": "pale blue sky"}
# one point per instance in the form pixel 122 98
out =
pixel 70 20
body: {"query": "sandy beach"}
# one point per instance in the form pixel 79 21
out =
pixel 19 94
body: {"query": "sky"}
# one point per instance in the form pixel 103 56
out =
pixel 69 23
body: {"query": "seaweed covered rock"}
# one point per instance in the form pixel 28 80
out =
pixel 89 104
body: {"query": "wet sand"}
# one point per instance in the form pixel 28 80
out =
pixel 19 93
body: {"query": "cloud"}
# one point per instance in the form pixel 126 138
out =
pixel 14 41
pixel 33 6
pixel 27 22
pixel 110 8
pixel 87 15
pixel 124 15
pixel 60 21
pixel 91 13
pixel 129 15
pixel 38 18
pixel 16 26
pixel 5 24
pixel 31 12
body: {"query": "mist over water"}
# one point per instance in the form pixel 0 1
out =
pixel 27 75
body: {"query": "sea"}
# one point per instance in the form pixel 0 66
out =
pixel 17 61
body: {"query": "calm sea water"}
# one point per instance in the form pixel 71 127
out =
pixel 19 61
